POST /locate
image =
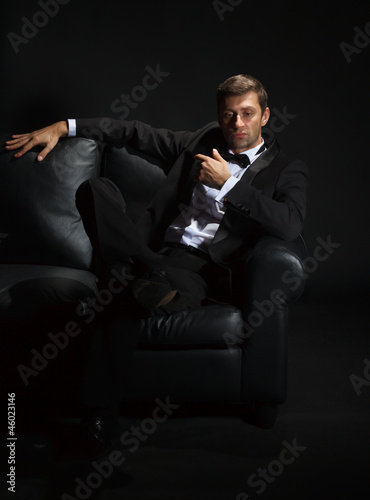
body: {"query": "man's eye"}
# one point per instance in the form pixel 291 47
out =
pixel 228 115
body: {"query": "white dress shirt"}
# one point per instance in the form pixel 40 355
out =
pixel 198 222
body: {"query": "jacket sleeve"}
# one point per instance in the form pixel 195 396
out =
pixel 162 144
pixel 281 214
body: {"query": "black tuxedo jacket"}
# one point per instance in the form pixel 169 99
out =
pixel 269 198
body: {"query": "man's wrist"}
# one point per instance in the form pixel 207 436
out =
pixel 223 181
pixel 62 128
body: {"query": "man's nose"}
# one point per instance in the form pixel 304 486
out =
pixel 238 121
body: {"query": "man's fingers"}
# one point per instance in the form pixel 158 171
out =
pixel 20 141
pixel 24 149
pixel 20 136
pixel 16 138
pixel 25 142
pixel 216 155
pixel 41 156
pixel 201 157
pixel 46 137
pixel 17 142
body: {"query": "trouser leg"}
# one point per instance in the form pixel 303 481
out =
pixel 112 233
pixel 186 273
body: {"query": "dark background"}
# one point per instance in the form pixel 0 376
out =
pixel 89 53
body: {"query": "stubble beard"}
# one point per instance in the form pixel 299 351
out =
pixel 239 144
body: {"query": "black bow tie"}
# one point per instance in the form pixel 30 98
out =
pixel 241 160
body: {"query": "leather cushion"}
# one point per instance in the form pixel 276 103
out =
pixel 39 222
pixel 206 326
pixel 25 287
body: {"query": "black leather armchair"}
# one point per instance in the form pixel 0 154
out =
pixel 212 354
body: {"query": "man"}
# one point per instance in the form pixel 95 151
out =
pixel 225 186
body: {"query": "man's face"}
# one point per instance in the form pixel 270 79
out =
pixel 241 119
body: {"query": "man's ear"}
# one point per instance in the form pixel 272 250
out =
pixel 265 117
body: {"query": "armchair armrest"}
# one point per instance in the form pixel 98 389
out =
pixel 265 294
pixel 275 265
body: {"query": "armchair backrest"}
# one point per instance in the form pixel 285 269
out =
pixel 39 222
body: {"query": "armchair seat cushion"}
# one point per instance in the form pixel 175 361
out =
pixel 201 328
pixel 24 288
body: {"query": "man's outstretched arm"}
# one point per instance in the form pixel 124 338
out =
pixel 47 137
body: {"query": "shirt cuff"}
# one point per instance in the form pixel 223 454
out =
pixel 229 184
pixel 71 127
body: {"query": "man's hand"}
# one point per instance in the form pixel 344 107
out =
pixel 213 172
pixel 46 137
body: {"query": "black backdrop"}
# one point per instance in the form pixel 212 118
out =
pixel 76 58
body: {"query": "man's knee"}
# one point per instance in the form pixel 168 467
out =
pixel 100 187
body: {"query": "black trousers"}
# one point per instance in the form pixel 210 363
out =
pixel 118 243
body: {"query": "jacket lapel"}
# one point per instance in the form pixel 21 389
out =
pixel 261 163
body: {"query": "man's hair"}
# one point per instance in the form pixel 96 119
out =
pixel 239 85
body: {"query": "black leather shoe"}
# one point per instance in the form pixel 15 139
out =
pixel 153 290
pixel 94 438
